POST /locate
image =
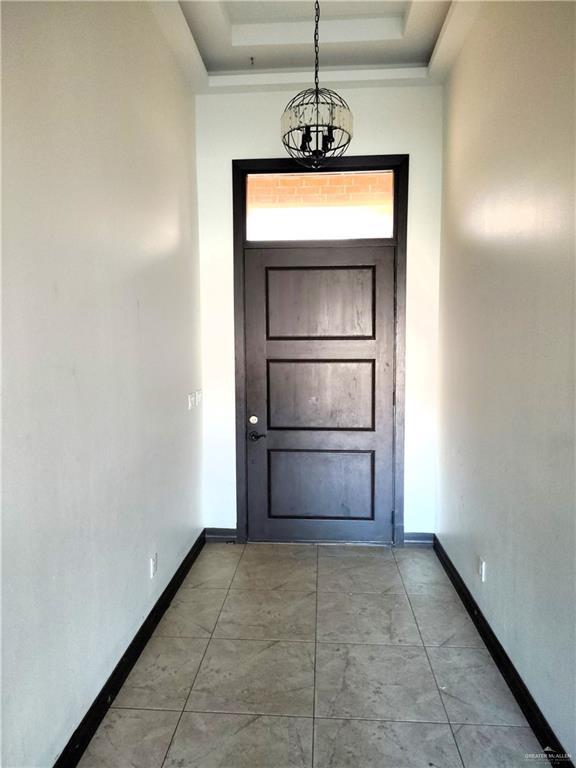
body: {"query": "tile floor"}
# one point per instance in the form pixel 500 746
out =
pixel 293 656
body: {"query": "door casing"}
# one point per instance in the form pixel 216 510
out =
pixel 240 170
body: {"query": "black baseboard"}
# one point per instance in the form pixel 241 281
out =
pixel 223 535
pixel 80 739
pixel 531 710
pixel 419 539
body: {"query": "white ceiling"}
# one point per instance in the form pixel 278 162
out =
pixel 278 35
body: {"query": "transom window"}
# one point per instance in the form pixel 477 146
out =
pixel 320 206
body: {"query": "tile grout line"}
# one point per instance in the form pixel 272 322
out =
pixel 162 764
pixel 322 717
pixel 379 593
pixel 432 670
pixel 321 642
pixel 315 657
pixel 325 717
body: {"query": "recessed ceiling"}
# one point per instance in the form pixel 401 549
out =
pixel 248 12
pixel 244 36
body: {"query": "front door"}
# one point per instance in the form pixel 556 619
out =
pixel 320 357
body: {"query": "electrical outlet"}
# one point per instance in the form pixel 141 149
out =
pixel 482 569
pixel 153 565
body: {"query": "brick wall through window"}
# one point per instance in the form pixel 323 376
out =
pixel 319 189
pixel 320 206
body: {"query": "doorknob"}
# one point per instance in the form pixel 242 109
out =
pixel 255 436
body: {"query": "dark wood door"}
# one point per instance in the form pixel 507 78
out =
pixel 320 332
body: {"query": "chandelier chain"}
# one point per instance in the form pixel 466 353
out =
pixel 317 123
pixel 316 43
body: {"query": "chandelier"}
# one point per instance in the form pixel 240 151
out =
pixel 317 122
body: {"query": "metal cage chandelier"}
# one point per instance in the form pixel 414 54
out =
pixel 317 122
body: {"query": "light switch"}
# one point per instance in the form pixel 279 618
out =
pixel 194 399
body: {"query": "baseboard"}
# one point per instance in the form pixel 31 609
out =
pixel 224 535
pixel 419 539
pixel 81 737
pixel 531 710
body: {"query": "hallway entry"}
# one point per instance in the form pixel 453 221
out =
pixel 320 265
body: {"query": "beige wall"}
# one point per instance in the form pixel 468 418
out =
pixel 507 339
pixel 100 349
pixel 388 121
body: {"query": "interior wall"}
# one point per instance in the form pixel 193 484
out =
pixel 100 348
pixel 507 340
pixel 403 120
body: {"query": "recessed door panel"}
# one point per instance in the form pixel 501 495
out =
pixel 321 484
pixel 321 394
pixel 316 303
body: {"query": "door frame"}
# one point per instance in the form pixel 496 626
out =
pixel 240 170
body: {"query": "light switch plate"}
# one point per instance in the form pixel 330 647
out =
pixel 194 399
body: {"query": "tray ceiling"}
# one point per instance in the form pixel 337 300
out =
pixel 247 36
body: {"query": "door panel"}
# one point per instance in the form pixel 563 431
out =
pixel 321 394
pixel 320 380
pixel 313 303
pixel 321 484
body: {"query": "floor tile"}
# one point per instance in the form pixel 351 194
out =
pixel 423 566
pixel 363 573
pixel 134 738
pixel 241 741
pixel 255 676
pixel 221 553
pixel 379 682
pixel 271 615
pixel 365 744
pixel 440 587
pixel 425 576
pixel 163 675
pixel 192 613
pixel 415 553
pixel 444 622
pixel 230 549
pixel 214 568
pixel 344 550
pixel 489 746
pixel 472 687
pixel 366 618
pixel 276 572
pixel 267 550
pixel 252 699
